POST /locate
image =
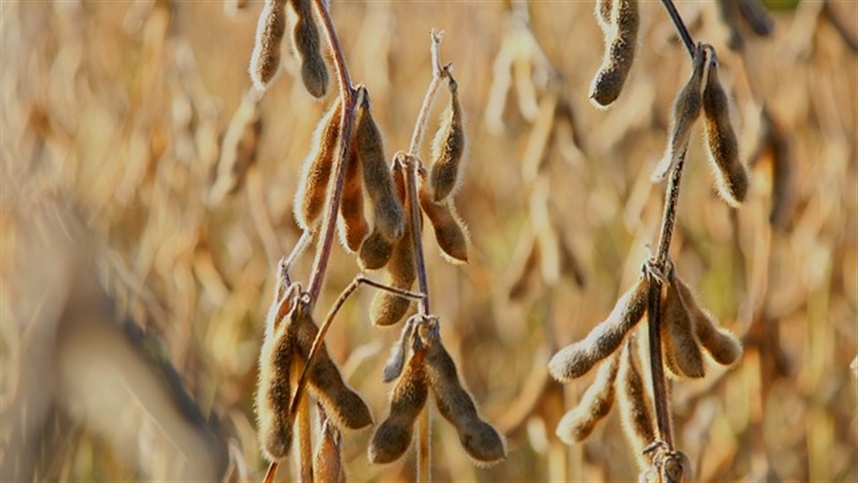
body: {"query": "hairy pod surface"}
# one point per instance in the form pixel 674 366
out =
pixel 637 419
pixel 721 344
pixel 307 43
pixel 328 461
pixel 577 359
pixel 344 407
pixel 686 110
pixel 577 424
pixel 393 436
pixel 265 59
pixel 396 361
pixel 352 225
pixel 388 214
pixel 619 55
pixel 679 343
pixel 723 145
pixel 448 226
pixel 375 251
pixel 603 11
pixel 447 150
pixel 316 172
pixel 387 308
pixel 480 440
pixel 273 394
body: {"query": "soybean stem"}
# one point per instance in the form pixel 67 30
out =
pixel 438 74
pixel 680 26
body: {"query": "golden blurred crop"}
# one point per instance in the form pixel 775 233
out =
pixel 135 273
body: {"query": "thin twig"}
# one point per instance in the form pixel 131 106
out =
pixel 438 74
pixel 680 26
pixel 271 473
pixel 412 165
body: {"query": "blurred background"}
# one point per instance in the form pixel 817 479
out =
pixel 144 206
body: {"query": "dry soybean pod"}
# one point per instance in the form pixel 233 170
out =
pixel 577 424
pixel 721 344
pixel 388 214
pixel 307 43
pixel 603 15
pixel 480 440
pixel 387 308
pixel 393 436
pixel 270 30
pixel 316 172
pixel 637 418
pixel 679 344
pixel 375 251
pixel 577 359
pixel 328 461
pixel 396 361
pixel 447 149
pixel 344 407
pixel 619 55
pixel 352 225
pixel 723 145
pixel 686 110
pixel 449 229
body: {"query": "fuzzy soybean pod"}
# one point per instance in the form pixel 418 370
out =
pixel 480 440
pixel 352 225
pixel 578 424
pixel 577 359
pixel 723 145
pixel 344 407
pixel 678 342
pixel 603 11
pixel 388 214
pixel 328 461
pixel 307 43
pixel 393 436
pixel 387 308
pixel 270 30
pixel 721 344
pixel 316 172
pixel 449 228
pixel 447 149
pixel 637 419
pixel 619 55
pixel 686 110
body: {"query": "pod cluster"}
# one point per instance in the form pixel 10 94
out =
pixel 289 336
pixel 687 331
pixel 429 366
pixel 274 18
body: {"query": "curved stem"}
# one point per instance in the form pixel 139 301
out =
pixel 438 74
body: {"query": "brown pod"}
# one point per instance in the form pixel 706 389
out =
pixel 375 251
pixel 603 11
pixel 344 407
pixel 479 439
pixel 388 215
pixel 273 392
pixel 396 361
pixel 679 344
pixel 316 172
pixel 723 145
pixel 578 424
pixel 637 418
pixel 270 30
pixel 305 38
pixel 328 461
pixel 619 55
pixel 449 228
pixel 686 110
pixel 676 468
pixel 447 150
pixel 393 436
pixel 352 225
pixel 721 344
pixel 387 308
pixel 577 359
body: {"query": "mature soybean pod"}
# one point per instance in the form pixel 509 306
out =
pixel 577 359
pixel 721 344
pixel 686 110
pixel 393 436
pixel 723 145
pixel 480 440
pixel 603 11
pixel 273 392
pixel 265 59
pixel 449 229
pixel 447 150
pixel 388 215
pixel 619 56
pixel 679 344
pixel 578 424
pixel 344 407
pixel 328 461
pixel 316 172
pixel 638 421
pixel 352 225
pixel 305 38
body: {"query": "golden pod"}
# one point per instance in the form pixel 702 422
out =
pixel 316 172
pixel 449 228
pixel 352 225
pixel 447 150
pixel 577 424
pixel 637 419
pixel 265 59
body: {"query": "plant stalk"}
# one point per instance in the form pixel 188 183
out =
pixel 680 26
